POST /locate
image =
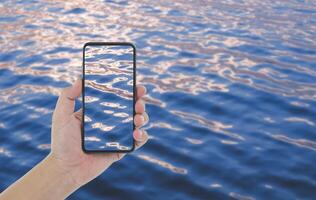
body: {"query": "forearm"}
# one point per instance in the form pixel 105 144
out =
pixel 45 181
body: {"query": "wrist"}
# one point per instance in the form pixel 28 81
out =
pixel 47 180
pixel 59 175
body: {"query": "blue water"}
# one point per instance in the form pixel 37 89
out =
pixel 231 93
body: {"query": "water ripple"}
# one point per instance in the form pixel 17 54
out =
pixel 298 142
pixel 164 164
pixel 215 126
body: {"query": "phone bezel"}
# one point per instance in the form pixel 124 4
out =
pixel 83 94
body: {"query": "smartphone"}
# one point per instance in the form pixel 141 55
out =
pixel 109 92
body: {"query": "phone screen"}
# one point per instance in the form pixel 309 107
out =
pixel 108 97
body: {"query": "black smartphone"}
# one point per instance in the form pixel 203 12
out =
pixel 109 92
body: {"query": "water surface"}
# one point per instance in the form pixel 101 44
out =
pixel 231 93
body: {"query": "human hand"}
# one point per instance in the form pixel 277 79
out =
pixel 66 151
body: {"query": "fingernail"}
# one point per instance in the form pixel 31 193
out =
pixel 144 105
pixel 75 84
pixel 146 117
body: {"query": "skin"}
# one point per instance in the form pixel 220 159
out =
pixel 67 167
